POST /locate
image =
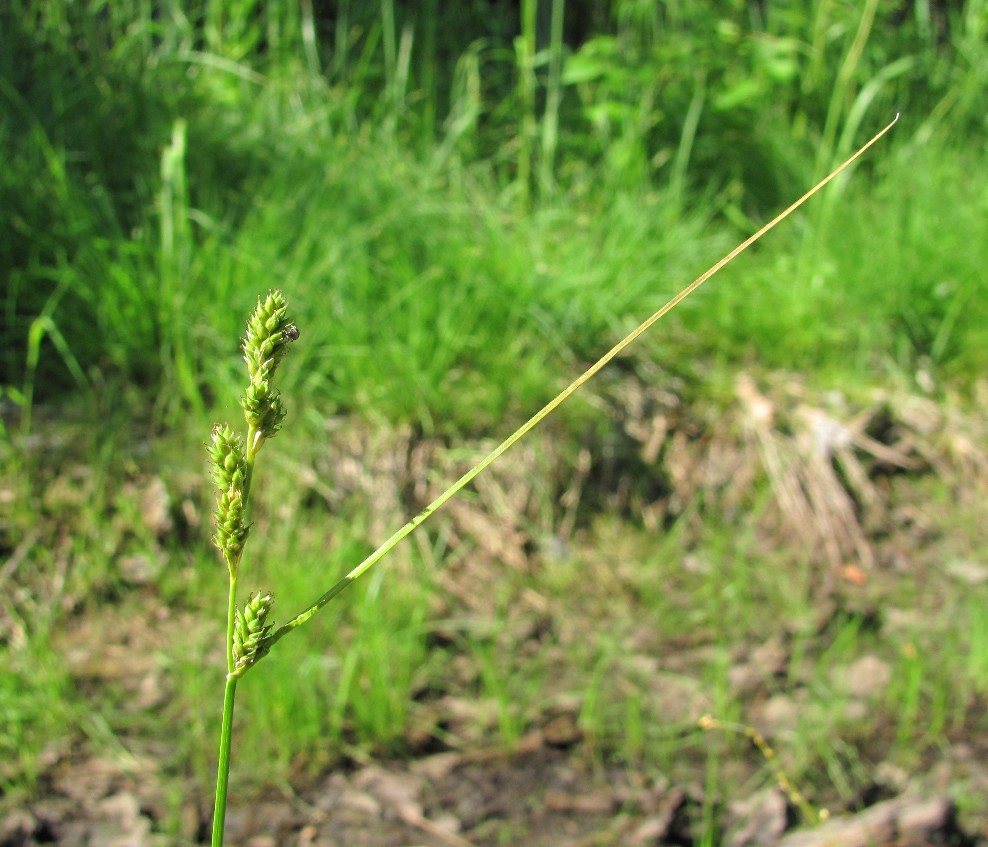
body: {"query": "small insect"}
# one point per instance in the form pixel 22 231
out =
pixel 290 333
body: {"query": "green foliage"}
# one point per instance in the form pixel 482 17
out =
pixel 36 697
pixel 372 160
pixel 740 94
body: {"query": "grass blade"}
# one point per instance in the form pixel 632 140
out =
pixel 560 398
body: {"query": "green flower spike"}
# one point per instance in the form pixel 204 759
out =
pixel 263 409
pixel 226 452
pixel 231 524
pixel 249 633
pixel 269 332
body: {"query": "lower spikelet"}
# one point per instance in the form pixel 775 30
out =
pixel 249 631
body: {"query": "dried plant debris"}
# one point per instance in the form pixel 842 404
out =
pixel 510 513
pixel 816 474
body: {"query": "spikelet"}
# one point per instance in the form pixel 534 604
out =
pixel 229 469
pixel 249 631
pixel 269 332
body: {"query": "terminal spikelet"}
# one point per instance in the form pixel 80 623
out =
pixel 269 332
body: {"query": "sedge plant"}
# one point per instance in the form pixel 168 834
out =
pixel 270 332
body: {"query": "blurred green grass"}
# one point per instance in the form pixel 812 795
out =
pixel 170 166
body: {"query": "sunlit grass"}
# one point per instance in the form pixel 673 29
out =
pixel 425 284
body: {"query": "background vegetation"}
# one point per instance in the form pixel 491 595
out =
pixel 464 202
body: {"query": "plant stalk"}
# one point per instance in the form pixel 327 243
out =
pixel 226 729
pixel 231 617
pixel 223 769
pixel 268 331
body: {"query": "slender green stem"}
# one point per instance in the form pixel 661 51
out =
pixel 229 697
pixel 223 770
pixel 254 442
pixel 226 730
pixel 554 97
pixel 525 58
pixel 231 615
pixel 840 100
pixel 537 418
